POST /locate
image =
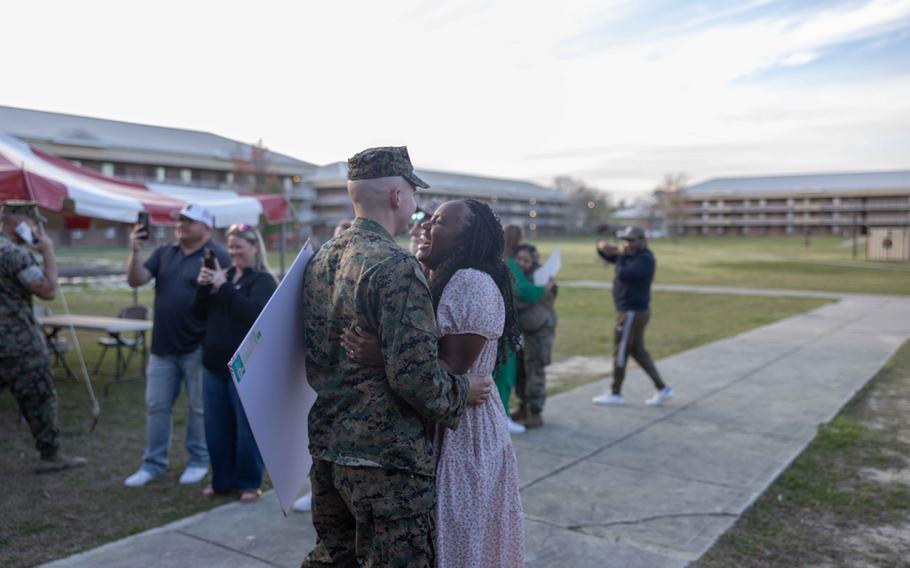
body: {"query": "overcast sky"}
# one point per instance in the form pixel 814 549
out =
pixel 613 92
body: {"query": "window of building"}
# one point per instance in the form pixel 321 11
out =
pixel 107 169
pixel 229 178
pixel 160 174
pixel 110 233
pixel 186 175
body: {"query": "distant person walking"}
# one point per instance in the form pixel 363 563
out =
pixel 229 301
pixel 635 266
pixel 176 358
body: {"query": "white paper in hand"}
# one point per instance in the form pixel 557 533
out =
pixel 269 371
pixel 549 269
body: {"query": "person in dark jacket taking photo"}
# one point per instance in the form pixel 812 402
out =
pixel 635 266
pixel 230 301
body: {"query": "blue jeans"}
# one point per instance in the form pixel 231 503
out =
pixel 236 462
pixel 165 375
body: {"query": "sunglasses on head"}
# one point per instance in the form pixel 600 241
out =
pixel 240 228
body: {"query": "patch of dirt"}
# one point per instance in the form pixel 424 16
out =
pixel 886 476
pixel 882 546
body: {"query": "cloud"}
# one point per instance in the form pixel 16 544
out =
pixel 519 88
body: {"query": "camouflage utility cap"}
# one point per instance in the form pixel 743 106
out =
pixel 385 161
pixel 24 208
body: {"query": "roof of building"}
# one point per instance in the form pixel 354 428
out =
pixel 639 212
pixel 806 183
pixel 451 184
pixel 74 130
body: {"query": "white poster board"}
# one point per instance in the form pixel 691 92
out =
pixel 549 269
pixel 269 371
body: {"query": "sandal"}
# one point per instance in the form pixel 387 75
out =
pixel 249 495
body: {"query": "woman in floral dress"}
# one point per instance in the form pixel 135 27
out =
pixel 479 520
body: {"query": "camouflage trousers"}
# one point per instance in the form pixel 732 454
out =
pixel 531 387
pixel 32 384
pixel 371 517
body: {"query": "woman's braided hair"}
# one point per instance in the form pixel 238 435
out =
pixel 480 246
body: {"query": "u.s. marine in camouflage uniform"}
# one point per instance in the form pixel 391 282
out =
pixel 372 428
pixel 24 360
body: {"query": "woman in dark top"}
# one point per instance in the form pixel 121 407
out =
pixel 230 301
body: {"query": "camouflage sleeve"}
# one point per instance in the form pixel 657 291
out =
pixel 408 335
pixel 30 274
pixel 24 266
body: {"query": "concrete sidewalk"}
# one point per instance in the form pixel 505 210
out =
pixel 620 486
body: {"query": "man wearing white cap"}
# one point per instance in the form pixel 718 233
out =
pixel 176 355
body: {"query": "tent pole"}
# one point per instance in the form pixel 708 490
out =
pixel 283 246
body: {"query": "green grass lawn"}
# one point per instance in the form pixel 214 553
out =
pixel 748 263
pixel 770 262
pixel 679 321
pixel 845 501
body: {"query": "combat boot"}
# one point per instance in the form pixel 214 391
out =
pixel 533 420
pixel 58 462
pixel 520 414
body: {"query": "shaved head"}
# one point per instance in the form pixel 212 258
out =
pixel 372 192
pixel 387 200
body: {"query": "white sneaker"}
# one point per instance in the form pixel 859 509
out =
pixel 609 400
pixel 514 427
pixel 304 504
pixel 662 395
pixel 193 474
pixel 138 479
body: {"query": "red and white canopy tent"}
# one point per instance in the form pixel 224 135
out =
pixel 29 173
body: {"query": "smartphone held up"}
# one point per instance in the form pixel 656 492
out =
pixel 208 259
pixel 143 222
pixel 24 230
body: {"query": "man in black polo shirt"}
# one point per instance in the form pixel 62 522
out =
pixel 635 266
pixel 176 356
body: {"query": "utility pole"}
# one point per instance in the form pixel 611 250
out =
pixel 854 235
